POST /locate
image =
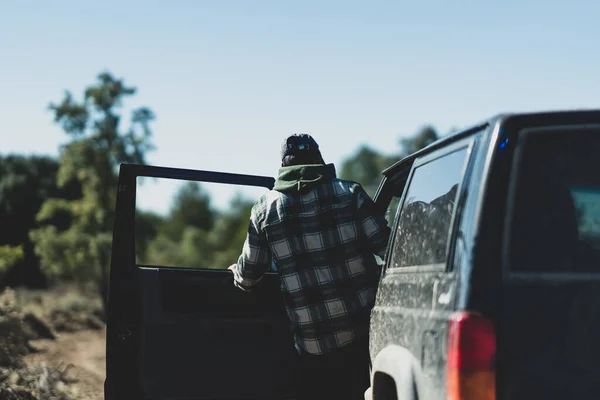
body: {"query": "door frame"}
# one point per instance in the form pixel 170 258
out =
pixel 123 306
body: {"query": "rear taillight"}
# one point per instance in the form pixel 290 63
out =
pixel 470 370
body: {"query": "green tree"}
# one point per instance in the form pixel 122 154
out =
pixel 229 233
pixel 147 225
pixel 196 235
pixel 423 138
pixel 192 250
pixel 366 164
pixel 25 182
pixel 9 256
pixel 191 207
pixel 96 148
pixel 182 237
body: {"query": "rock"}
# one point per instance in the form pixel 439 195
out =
pixel 100 314
pixel 94 323
pixel 31 348
pixel 43 382
pixel 13 379
pixel 38 326
pixel 72 321
pixel 61 387
pixel 63 321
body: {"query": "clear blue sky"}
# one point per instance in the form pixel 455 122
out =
pixel 228 80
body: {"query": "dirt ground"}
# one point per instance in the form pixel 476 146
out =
pixel 85 351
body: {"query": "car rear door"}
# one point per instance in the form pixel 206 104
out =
pixel 188 333
pixel 547 323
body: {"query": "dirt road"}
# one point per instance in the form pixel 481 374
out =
pixel 85 351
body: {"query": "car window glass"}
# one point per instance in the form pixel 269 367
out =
pixel 392 210
pixel 191 224
pixel 424 225
pixel 555 223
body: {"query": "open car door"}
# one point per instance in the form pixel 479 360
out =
pixel 188 333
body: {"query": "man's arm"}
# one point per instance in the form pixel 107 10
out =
pixel 255 259
pixel 372 222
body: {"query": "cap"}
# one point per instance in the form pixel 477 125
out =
pixel 299 144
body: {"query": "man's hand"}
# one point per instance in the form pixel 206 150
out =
pixel 232 267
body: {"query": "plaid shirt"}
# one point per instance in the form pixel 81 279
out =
pixel 323 243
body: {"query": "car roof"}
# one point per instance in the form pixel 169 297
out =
pixel 442 142
pixel 458 135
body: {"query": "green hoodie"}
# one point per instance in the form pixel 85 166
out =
pixel 302 178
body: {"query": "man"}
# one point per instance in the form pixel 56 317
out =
pixel 322 233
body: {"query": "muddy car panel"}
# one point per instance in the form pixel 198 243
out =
pixel 520 259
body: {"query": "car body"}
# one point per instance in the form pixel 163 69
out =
pixel 487 289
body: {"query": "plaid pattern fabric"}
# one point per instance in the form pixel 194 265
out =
pixel 323 243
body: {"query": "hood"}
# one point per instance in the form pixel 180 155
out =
pixel 302 178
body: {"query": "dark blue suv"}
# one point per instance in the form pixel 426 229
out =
pixel 490 287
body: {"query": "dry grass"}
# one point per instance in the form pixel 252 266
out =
pixel 66 308
pixel 43 375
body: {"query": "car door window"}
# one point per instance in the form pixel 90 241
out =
pixel 189 326
pixel 191 224
pixel 424 224
pixel 392 210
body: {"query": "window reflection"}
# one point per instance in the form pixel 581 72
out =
pixel 425 219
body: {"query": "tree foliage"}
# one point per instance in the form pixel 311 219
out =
pixel 192 208
pixel 61 213
pixel 365 167
pixel 423 138
pixel 25 182
pixel 96 147
pixel 9 257
pixel 194 234
pixel 366 164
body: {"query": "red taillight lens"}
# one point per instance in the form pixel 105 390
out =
pixel 471 358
